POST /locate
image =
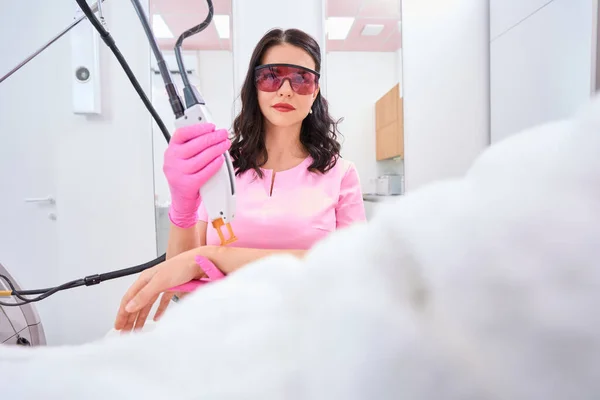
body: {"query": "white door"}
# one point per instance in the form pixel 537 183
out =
pixel 28 231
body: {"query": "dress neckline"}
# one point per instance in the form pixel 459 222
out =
pixel 303 163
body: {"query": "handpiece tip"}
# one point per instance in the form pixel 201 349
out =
pixel 218 224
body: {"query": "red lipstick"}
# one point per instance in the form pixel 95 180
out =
pixel 284 107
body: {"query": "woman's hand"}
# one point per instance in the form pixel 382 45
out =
pixel 144 292
pixel 138 300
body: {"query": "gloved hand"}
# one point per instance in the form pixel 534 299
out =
pixel 192 158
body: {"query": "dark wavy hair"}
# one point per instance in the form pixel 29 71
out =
pixel 318 133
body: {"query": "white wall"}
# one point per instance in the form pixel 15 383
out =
pixel 399 70
pixel 251 22
pixel 356 80
pixel 102 166
pixel 216 83
pixel 446 87
pixel 541 61
pixel 506 14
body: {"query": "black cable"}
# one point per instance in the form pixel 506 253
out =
pixel 190 94
pixel 110 42
pixel 19 294
pixel 174 99
pixel 87 281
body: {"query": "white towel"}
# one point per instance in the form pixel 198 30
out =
pixel 485 287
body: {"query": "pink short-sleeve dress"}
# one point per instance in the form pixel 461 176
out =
pixel 300 208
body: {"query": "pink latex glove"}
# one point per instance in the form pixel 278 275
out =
pixel 209 268
pixel 192 158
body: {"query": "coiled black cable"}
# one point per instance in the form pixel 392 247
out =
pixel 110 42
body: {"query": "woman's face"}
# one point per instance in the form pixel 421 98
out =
pixel 285 107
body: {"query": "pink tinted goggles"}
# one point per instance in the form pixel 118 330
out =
pixel 270 77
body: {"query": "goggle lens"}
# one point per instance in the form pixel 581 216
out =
pixel 270 77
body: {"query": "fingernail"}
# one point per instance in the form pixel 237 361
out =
pixel 130 307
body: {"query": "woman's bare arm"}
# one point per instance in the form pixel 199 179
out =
pixel 184 239
pixel 229 259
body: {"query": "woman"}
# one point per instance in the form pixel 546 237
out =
pixel 292 187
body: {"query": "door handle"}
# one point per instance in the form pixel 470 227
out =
pixel 48 199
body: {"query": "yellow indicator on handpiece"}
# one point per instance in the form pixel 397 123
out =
pixel 218 224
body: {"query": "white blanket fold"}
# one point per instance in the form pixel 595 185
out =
pixel 485 287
